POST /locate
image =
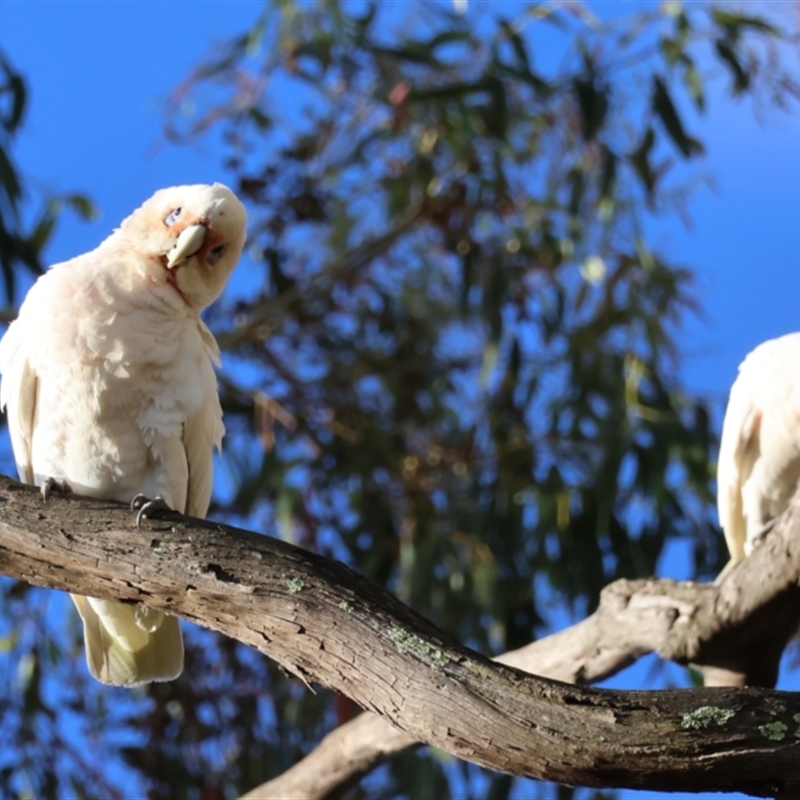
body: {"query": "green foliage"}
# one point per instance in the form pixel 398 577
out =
pixel 452 357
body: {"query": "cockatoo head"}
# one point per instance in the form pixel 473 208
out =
pixel 192 238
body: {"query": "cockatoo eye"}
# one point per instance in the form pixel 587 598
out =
pixel 215 254
pixel 172 217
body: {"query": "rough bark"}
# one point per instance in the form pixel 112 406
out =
pixel 734 633
pixel 323 622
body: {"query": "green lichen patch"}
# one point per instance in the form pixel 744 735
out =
pixel 773 730
pixel 295 585
pixel 704 716
pixel 409 642
pixel 345 606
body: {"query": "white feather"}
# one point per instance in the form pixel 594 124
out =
pixel 108 379
pixel 759 454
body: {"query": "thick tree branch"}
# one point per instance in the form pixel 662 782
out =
pixel 735 631
pixel 329 625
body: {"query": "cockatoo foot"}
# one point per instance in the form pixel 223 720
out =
pixel 145 507
pixel 51 485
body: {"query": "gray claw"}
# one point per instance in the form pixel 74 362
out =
pixel 50 485
pixel 147 507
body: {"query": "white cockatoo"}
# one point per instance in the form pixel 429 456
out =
pixel 109 385
pixel 759 453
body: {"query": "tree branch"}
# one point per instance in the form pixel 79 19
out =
pixel 735 631
pixel 325 623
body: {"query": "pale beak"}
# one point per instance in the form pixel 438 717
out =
pixel 189 241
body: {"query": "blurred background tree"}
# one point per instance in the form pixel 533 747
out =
pixel 450 357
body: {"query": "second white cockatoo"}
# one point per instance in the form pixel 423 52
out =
pixel 759 453
pixel 109 385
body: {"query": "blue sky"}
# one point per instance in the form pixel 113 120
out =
pixel 99 74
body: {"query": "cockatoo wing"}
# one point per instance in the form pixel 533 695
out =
pixel 737 452
pixel 18 397
pixel 202 433
pixel 759 454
